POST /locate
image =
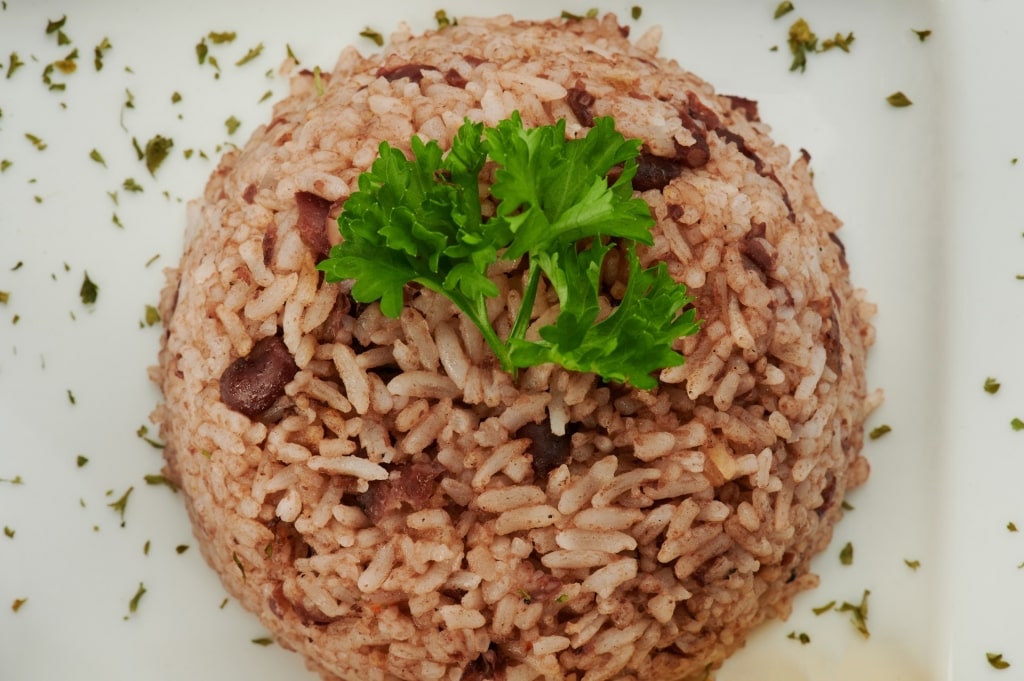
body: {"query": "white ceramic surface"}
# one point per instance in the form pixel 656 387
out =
pixel 933 228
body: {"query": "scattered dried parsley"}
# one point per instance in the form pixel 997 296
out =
pixel 116 220
pixel 98 157
pixel 1017 424
pixel 846 554
pixel 36 141
pixel 268 550
pixel 840 41
pixel 912 564
pixel 17 266
pixel 263 641
pixel 783 9
pixel 157 150
pixel 922 35
pixel 131 185
pixel 373 35
pixel 152 315
pixel 56 26
pixel 89 290
pixel 153 479
pixel 880 431
pixel 858 613
pixel 801 42
pixel 250 55
pixel 18 602
pixel 442 19
pixel 8 532
pixel 799 636
pixel 143 433
pixel 1011 526
pixel 175 97
pixel 318 82
pixel 223 604
pixel 68 65
pixel 181 548
pixel 291 55
pixel 232 125
pixel 221 37
pixel 71 397
pixel 81 460
pixel 898 100
pixel 5 164
pixel 569 16
pixel 266 95
pixel 145 548
pixel 16 480
pixel 133 604
pixel 238 562
pixel 97 53
pixel 121 505
pixel 152 260
pixel 822 609
pixel 992 385
pixel 636 11
pixel 202 51
pixel 4 297
pixel 14 64
pixel 996 660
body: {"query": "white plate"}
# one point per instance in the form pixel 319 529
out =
pixel 933 230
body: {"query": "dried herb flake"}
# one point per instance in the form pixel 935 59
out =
pixel 858 613
pixel 264 641
pixel 202 51
pixel 250 55
pixel 181 548
pixel 898 100
pixel 992 385
pixel 133 604
pixel 373 35
pixel 636 11
pixel 846 554
pixel 802 41
pixel 154 479
pixel 799 636
pixel 4 297
pixel 783 9
pixel 131 185
pixel 912 564
pixel 18 602
pixel 922 35
pixel 157 149
pixel 14 64
pixel 97 53
pixel 89 291
pixel 221 37
pixel 36 141
pixel 81 460
pixel 822 609
pixel 291 54
pixel 1017 424
pixel 880 431
pixel 232 124
pixel 98 157
pixel 442 19
pixel 152 315
pixel 143 434
pixel 8 532
pixel 1011 526
pixel 997 661
pixel 121 505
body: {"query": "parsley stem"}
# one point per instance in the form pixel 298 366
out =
pixel 522 320
pixel 478 315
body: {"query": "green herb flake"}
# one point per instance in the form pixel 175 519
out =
pixel 181 548
pixel 858 613
pixel 133 604
pixel 822 609
pixel 188 153
pixel 143 434
pixel 232 124
pixel 898 100
pixel 202 51
pixel 553 193
pixel 223 604
pixel 175 97
pixel 922 35
pixel 799 636
pixel 846 554
pixel 373 35
pixel 291 54
pixel 441 17
pixel 4 297
pixel 8 532
pixel 81 460
pixel 250 55
pixel 68 65
pixel 37 198
pixel 266 95
pixel 97 53
pixel 98 157
pixel 89 291
pixel 992 385
pixel 71 397
pixel 221 37
pixel 592 13
pixel 636 11
pixel 215 64
pixel 152 260
pixel 18 602
pixel 238 563
pixel 157 150
pixel 153 479
pixel 268 550
pixel 36 141
pixel 783 9
pixel 264 641
pixel 997 661
pixel 152 315
pixel 914 565
pixel 116 220
pixel 121 505
pixel 1017 424
pixel 801 42
pixel 838 41
pixel 5 164
pixel 880 431
pixel 145 548
pixel 15 64
pixel 569 16
pixel 131 185
pixel 55 25
pixel 1011 526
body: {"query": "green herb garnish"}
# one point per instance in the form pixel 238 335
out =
pixel 232 125
pixel 250 55
pixel 799 636
pixel 153 479
pixel 266 95
pixel 992 385
pixel 143 434
pixel 922 35
pixel 636 11
pixel 81 460
pixel 996 660
pixel 5 296
pixel 5 164
pixel 839 40
pixel 419 221
pixel 14 65
pixel 898 100
pixel 291 54
pixel 801 42
pixel 264 641
pixel 156 151
pixel 880 431
pixel 152 315
pixel 68 65
pixel 846 554
pixel 36 141
pixel 858 613
pixel 133 604
pixel 89 291
pixel 912 564
pixel 373 35
pixel 181 548
pixel 442 19
pixel 783 9
pixel 131 185
pixel 97 53
pixel 145 548
pixel 238 563
pixel 18 602
pixel 8 532
pixel 98 157
pixel 822 609
pixel 221 37
pixel 1017 424
pixel 121 505
pixel 1011 526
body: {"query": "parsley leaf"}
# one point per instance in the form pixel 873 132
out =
pixel 419 221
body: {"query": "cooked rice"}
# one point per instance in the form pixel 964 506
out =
pixel 389 514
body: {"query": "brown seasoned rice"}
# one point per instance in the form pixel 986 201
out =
pixel 393 510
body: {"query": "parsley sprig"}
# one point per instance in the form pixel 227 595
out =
pixel 418 220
